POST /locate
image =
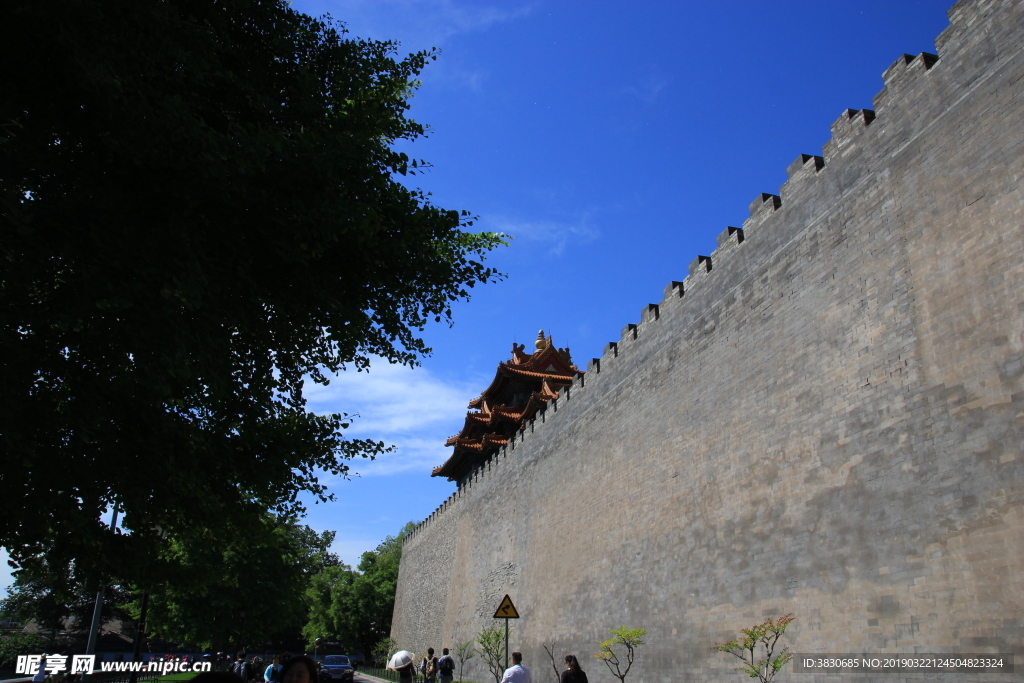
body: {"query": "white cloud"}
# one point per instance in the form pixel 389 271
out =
pixel 350 550
pixel 556 234
pixel 648 87
pixel 459 77
pixel 420 24
pixel 408 408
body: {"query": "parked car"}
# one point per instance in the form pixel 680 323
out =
pixel 338 668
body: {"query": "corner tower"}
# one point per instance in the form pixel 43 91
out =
pixel 522 386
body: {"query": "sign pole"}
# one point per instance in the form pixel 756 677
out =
pixel 506 610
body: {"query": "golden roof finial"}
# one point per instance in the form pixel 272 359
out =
pixel 540 343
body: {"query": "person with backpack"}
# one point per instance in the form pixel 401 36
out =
pixel 241 668
pixel 273 672
pixel 445 667
pixel 429 667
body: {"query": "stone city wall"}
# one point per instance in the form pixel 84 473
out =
pixel 824 418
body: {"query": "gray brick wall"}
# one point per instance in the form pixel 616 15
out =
pixel 826 422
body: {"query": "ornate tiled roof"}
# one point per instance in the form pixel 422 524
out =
pixel 520 372
pixel 521 386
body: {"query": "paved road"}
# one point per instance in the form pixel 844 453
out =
pixel 366 678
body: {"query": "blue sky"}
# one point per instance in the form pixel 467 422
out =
pixel 614 141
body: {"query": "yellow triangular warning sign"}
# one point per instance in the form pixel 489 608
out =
pixel 506 610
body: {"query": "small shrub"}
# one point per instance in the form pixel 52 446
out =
pixel 767 635
pixel 492 647
pixel 464 652
pixel 622 637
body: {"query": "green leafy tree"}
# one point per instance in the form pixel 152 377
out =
pixel 44 595
pixel 58 600
pixel 355 606
pixel 491 646
pixel 330 592
pixel 200 210
pixel 16 644
pixel 382 649
pixel 766 636
pixel 464 652
pixel 619 651
pixel 245 589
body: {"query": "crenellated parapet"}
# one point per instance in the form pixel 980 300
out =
pixel 803 168
pixel 845 130
pixel 901 75
pixel 762 209
pixel 964 18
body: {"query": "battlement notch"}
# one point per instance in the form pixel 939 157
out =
pixel 845 128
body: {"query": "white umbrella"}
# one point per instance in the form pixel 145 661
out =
pixel 400 658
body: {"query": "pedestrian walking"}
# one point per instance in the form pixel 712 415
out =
pixel 573 673
pixel 517 673
pixel 241 668
pixel 407 672
pixel 445 667
pixel 429 667
pixel 273 672
pixel 40 674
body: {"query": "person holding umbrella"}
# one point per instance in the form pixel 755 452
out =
pixel 402 662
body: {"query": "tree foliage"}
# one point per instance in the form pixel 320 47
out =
pixel 382 650
pixel 355 606
pixel 619 651
pixel 491 646
pixel 15 644
pixel 765 635
pixel 464 652
pixel 244 589
pixel 58 599
pixel 198 211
